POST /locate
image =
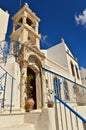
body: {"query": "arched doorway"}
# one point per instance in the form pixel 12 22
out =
pixel 33 83
pixel 34 68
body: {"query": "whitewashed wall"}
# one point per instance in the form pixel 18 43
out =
pixel 4 17
pixel 13 69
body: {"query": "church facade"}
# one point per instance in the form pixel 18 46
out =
pixel 54 68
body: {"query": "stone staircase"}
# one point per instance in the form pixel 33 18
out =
pixel 34 120
pixel 40 120
pixel 19 120
pixel 24 126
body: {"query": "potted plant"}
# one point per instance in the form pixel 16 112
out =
pixel 29 104
pixel 50 102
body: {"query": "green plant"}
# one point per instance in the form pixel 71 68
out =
pixel 29 87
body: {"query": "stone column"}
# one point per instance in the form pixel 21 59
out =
pixel 24 20
pixel 38 43
pixel 23 86
pixel 37 39
pixel 14 27
pixel 36 27
pixel 38 91
pixel 24 32
pixel 24 17
pixel 43 78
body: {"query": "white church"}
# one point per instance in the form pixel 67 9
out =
pixel 39 89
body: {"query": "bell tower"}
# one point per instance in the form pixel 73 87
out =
pixel 25 27
pixel 29 56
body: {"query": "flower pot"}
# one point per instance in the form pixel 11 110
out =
pixel 50 104
pixel 29 105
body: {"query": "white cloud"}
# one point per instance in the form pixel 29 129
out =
pixel 81 68
pixel 44 38
pixel 81 18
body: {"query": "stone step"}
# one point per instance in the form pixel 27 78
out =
pixel 32 116
pixel 7 119
pixel 25 126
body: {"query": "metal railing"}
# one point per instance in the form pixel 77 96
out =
pixel 69 98
pixel 6 84
pixel 7 50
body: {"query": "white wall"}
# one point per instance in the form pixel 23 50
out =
pixel 58 59
pixel 4 17
pixel 71 58
pixel 83 76
pixel 57 54
pixel 13 69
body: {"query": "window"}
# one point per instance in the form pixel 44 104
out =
pixel 66 91
pixel 77 72
pixel 57 87
pixel 72 69
pixel 76 90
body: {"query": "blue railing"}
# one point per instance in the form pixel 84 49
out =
pixel 3 84
pixel 68 94
pixel 66 105
pixel 4 88
pixel 62 77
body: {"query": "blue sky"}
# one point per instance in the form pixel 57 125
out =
pixel 59 19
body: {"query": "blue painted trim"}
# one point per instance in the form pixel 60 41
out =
pixel 1 77
pixel 11 96
pixel 62 77
pixel 74 112
pixel 4 91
